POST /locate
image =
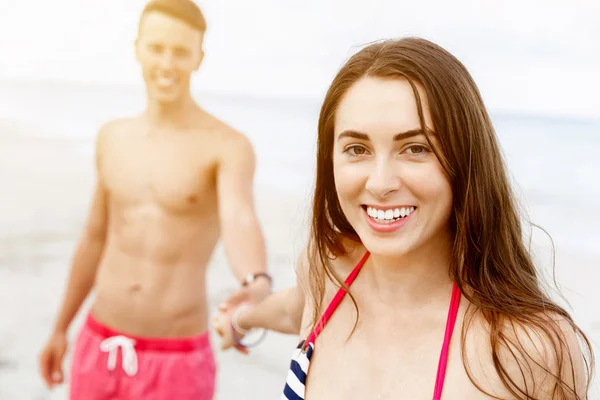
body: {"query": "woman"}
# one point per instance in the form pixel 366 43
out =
pixel 414 218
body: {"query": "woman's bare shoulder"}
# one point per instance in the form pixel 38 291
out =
pixel 538 357
pixel 312 274
pixel 310 265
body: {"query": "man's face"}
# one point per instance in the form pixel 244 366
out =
pixel 169 51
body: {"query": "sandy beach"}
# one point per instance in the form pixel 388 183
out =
pixel 45 190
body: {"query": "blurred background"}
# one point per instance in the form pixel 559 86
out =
pixel 67 66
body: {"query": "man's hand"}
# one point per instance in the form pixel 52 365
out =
pixel 51 359
pixel 254 293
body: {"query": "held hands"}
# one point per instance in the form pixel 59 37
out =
pixel 225 322
pixel 223 325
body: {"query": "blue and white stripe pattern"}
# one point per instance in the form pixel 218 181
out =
pixel 296 379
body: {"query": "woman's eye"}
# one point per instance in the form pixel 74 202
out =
pixel 417 149
pixel 356 150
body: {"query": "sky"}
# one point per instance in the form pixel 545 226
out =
pixel 531 56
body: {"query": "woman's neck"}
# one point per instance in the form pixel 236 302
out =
pixel 413 278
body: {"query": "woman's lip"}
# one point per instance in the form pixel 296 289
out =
pixel 388 227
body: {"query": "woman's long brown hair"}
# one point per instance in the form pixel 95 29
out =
pixel 490 261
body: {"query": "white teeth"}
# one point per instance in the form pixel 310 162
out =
pixel 165 81
pixel 389 215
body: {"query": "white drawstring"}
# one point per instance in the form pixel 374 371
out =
pixel 111 346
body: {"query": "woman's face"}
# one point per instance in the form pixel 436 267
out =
pixel 390 185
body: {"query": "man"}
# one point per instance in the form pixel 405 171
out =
pixel 170 183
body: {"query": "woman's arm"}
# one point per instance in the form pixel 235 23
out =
pixel 280 312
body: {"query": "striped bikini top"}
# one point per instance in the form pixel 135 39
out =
pixel 296 378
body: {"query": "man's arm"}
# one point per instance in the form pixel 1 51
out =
pixel 81 278
pixel 242 237
pixel 89 250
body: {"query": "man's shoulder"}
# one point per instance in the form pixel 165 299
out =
pixel 113 128
pixel 221 130
pixel 236 141
pixel 115 125
pixel 230 141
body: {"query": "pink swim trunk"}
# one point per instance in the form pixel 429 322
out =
pixel 107 364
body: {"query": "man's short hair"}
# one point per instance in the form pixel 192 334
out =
pixel 183 10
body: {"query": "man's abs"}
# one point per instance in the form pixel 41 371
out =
pixel 151 280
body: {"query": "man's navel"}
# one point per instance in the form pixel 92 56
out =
pixel 136 287
pixel 192 199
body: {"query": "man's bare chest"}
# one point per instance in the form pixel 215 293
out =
pixel 174 175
